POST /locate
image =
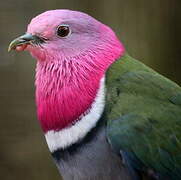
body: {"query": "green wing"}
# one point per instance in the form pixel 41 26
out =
pixel 144 116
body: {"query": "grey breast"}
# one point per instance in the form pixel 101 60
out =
pixel 93 160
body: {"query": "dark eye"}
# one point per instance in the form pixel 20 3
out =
pixel 63 30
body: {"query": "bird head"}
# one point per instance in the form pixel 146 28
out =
pixel 64 34
pixel 73 51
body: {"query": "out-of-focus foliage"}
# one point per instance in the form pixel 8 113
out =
pixel 150 31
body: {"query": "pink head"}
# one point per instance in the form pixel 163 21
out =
pixel 73 51
pixel 70 33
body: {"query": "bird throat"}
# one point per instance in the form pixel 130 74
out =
pixel 63 94
pixel 70 93
pixel 68 136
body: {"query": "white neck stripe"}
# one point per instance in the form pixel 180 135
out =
pixel 68 136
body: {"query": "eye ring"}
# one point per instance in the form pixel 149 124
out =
pixel 63 30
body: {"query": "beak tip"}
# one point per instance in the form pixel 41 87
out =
pixel 11 46
pixel 21 42
pixel 9 49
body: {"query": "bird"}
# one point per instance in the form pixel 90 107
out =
pixel 104 114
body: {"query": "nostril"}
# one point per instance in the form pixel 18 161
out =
pixel 27 37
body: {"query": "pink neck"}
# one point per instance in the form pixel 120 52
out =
pixel 65 89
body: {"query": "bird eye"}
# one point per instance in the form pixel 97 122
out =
pixel 63 30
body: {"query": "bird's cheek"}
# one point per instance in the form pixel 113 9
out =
pixel 37 53
pixel 48 34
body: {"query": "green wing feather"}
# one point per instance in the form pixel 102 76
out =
pixel 144 115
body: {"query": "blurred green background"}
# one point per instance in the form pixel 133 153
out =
pixel 150 31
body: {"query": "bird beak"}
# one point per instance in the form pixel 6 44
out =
pixel 23 40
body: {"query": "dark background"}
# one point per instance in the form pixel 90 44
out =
pixel 150 31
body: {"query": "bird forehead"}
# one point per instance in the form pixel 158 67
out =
pixel 49 20
pixel 41 24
